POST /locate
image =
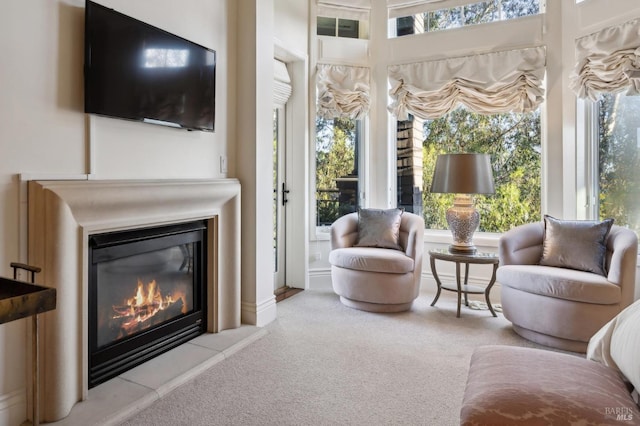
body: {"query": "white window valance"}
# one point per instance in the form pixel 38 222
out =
pixel 491 83
pixel 343 91
pixel 281 83
pixel 608 62
pixel 346 9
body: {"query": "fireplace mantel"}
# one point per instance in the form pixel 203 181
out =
pixel 62 216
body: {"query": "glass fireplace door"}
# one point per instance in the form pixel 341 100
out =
pixel 147 294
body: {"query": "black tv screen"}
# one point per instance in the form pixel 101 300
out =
pixel 136 71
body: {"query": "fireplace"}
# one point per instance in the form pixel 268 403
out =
pixel 146 295
pixel 68 219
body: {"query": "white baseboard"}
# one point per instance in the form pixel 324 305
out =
pixel 258 314
pixel 13 407
pixel 320 279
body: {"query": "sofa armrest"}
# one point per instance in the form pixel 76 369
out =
pixel 522 245
pixel 622 258
pixel 411 236
pixel 344 231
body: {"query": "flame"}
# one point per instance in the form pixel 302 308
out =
pixel 145 305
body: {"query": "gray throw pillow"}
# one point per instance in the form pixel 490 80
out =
pixel 379 228
pixel 575 244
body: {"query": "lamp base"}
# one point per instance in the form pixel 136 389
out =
pixel 463 219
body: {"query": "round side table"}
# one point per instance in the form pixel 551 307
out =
pixel 479 258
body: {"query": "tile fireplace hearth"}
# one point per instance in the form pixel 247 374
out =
pixel 63 217
pixel 112 402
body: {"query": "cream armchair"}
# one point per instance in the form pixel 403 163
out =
pixel 559 307
pixel 377 279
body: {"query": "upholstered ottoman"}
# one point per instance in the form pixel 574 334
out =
pixel 524 386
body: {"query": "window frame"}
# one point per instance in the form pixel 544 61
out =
pixel 337 32
pixel 587 154
pixel 500 16
pixel 587 178
pixel 437 235
pixel 486 240
pixel 321 232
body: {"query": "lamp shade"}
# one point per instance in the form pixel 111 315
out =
pixel 463 174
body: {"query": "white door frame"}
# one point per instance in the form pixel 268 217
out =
pixel 297 168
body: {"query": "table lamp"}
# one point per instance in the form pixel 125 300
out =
pixel 463 174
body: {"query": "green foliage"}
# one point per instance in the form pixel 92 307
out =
pixel 335 158
pixel 479 12
pixel 618 159
pixel 513 141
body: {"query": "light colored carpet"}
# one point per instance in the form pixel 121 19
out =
pixel 322 363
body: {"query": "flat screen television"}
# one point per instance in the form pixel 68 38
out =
pixel 135 71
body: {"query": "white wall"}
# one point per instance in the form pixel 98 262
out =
pixel 254 150
pixel 45 132
pixel 291 47
pixel 154 151
pixel 291 20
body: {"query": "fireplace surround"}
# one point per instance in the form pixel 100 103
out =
pixel 62 217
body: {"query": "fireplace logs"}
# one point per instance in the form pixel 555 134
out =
pixel 146 309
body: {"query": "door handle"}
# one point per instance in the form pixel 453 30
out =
pixel 285 191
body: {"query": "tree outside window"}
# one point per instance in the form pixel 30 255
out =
pixel 513 142
pixel 618 159
pixel 473 13
pixel 337 176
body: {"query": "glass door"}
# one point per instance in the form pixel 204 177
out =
pixel 280 193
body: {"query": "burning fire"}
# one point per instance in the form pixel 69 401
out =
pixel 145 305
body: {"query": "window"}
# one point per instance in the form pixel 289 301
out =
pixel 348 28
pixel 408 25
pixel 616 160
pixel 338 154
pixel 606 75
pixel 326 26
pixel 342 105
pixel 512 140
pixel 459 16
